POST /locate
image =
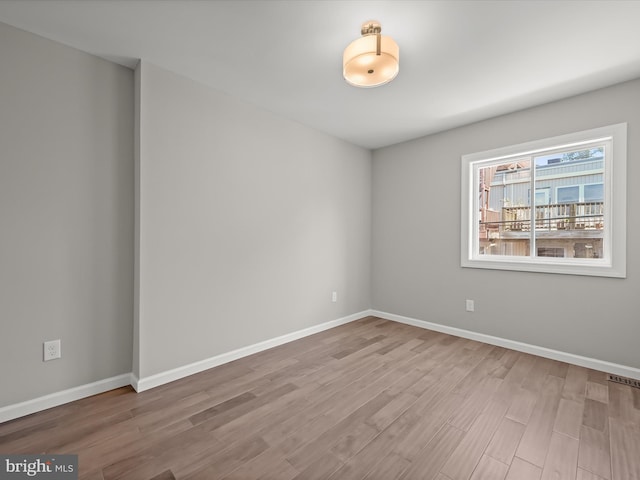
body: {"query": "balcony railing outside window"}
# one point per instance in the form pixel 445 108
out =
pixel 552 217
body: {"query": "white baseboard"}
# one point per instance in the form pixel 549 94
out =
pixel 145 383
pixel 140 384
pixel 579 360
pixel 58 398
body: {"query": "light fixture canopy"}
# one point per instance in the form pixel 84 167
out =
pixel 371 60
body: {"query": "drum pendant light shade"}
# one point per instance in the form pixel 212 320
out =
pixel 371 60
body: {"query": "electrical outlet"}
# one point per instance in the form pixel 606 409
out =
pixel 334 296
pixel 470 306
pixel 52 350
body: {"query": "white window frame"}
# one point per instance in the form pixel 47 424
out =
pixel 613 262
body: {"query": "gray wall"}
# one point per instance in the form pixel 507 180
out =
pixel 416 239
pixel 66 216
pixel 248 222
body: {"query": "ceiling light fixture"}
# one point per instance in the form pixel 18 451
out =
pixel 371 60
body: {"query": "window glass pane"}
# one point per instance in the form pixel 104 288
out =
pixel 542 196
pixel 504 216
pixel 569 194
pixel 573 221
pixel 594 193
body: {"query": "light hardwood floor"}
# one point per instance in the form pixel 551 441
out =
pixel 372 400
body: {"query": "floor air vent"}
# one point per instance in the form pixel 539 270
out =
pixel 624 380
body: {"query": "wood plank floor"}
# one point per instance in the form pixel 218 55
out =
pixel 372 400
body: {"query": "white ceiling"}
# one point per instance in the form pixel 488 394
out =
pixel 460 61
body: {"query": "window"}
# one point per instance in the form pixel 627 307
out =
pixel 569 194
pixel 575 222
pixel 542 196
pixel 581 193
pixel 594 192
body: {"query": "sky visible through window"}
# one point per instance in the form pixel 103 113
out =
pixel 569 156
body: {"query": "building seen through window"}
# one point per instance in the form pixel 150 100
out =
pixel 565 216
